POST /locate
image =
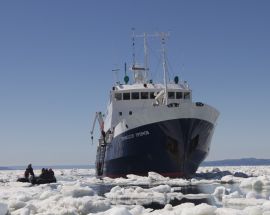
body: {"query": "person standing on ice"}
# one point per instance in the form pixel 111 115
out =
pixel 29 171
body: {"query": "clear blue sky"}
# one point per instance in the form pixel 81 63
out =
pixel 56 59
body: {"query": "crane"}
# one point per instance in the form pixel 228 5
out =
pixel 99 118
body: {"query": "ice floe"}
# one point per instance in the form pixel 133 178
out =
pixel 232 190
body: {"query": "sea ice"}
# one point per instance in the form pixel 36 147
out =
pixel 137 195
pixel 3 208
pixel 75 193
pixel 220 192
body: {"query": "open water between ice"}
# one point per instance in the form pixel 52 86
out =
pixel 197 194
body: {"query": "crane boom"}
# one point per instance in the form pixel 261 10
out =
pixel 99 118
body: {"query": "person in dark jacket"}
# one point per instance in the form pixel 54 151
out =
pixel 29 172
pixel 42 173
pixel 51 172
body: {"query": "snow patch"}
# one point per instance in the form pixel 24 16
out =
pixel 3 208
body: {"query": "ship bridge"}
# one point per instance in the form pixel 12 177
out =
pixel 127 100
pixel 149 91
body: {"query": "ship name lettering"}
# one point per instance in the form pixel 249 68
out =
pixel 138 134
pixel 130 136
pixel 142 133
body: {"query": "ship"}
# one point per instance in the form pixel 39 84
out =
pixel 152 126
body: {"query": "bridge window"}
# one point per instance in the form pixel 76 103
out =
pixel 179 95
pixel 171 95
pixel 135 95
pixel 144 95
pixel 118 96
pixel 126 96
pixel 152 95
pixel 186 95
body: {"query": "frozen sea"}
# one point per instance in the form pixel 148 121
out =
pixel 215 190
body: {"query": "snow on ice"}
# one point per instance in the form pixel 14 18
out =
pixel 232 190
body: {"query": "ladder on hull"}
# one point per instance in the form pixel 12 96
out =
pixel 100 157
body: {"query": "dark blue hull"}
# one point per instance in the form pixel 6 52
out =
pixel 172 148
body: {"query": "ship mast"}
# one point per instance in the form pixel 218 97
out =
pixel 133 48
pixel 165 70
pixel 145 55
pixel 140 72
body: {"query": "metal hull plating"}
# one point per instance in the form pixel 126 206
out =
pixel 172 148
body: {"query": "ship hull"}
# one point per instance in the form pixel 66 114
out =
pixel 173 148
